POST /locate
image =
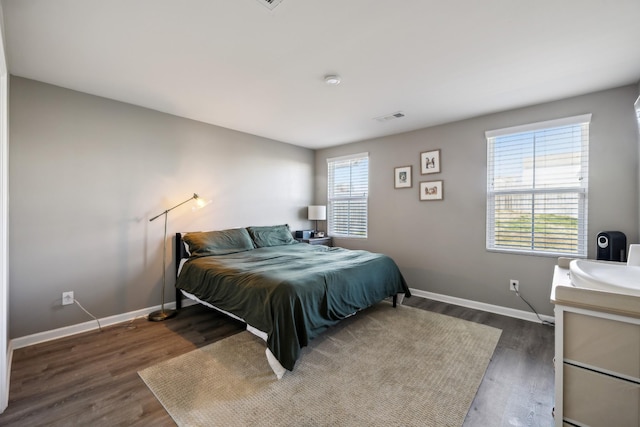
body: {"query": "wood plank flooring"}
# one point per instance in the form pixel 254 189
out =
pixel 91 378
pixel 518 386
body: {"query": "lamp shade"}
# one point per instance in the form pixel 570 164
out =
pixel 317 213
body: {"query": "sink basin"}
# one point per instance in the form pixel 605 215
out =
pixel 605 276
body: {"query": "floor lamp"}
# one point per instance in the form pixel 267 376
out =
pixel 163 314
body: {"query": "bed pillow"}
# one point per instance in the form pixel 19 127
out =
pixel 219 242
pixel 272 235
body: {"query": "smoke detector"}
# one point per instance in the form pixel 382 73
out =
pixel 269 4
pixel 332 79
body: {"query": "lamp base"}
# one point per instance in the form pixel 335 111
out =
pixel 160 315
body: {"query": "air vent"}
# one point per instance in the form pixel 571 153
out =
pixel 392 116
pixel 269 4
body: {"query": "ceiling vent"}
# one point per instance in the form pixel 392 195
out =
pixel 392 116
pixel 269 4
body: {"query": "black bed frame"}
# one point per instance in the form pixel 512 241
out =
pixel 181 252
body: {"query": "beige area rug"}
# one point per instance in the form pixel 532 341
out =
pixel 382 367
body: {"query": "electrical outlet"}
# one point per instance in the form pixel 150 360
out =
pixel 514 285
pixel 67 298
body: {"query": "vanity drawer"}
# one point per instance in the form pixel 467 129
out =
pixel 595 399
pixel 603 343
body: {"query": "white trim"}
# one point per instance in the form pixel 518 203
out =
pixel 66 331
pixel 348 157
pixel 498 309
pixel 536 253
pixel 8 379
pixel 91 325
pixel 566 121
pixel 5 358
pixel 6 351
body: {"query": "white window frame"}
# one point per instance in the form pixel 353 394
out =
pixel 580 189
pixel 357 231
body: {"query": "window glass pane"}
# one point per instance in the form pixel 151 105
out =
pixel 512 224
pixel 508 162
pixel 348 188
pixel 546 222
pixel 558 160
pixel 537 190
pixel 349 218
pixel 555 225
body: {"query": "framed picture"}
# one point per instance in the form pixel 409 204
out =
pixel 431 190
pixel 402 177
pixel 430 162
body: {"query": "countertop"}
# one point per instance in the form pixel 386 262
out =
pixel 564 293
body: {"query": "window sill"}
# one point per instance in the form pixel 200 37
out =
pixel 536 253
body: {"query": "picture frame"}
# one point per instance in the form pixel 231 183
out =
pixel 431 190
pixel 402 176
pixel 430 162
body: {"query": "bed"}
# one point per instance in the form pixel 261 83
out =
pixel 285 291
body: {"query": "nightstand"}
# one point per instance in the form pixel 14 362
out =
pixel 327 241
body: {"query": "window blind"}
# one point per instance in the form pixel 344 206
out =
pixel 348 192
pixel 537 187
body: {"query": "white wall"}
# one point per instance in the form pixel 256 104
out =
pixel 440 246
pixel 5 351
pixel 87 173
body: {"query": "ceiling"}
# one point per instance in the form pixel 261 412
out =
pixel 240 65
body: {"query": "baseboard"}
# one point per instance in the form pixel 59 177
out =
pixel 40 337
pixel 4 394
pixel 87 326
pixel 497 309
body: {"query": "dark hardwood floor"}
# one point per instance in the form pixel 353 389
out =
pixel 91 378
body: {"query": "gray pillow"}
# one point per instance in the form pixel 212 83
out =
pixel 220 242
pixel 272 235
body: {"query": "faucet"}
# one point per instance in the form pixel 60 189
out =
pixel 633 257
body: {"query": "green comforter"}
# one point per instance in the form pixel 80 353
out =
pixel 292 292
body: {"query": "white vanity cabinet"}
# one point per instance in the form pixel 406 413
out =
pixel 597 358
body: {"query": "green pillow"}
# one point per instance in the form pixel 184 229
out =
pixel 273 235
pixel 220 242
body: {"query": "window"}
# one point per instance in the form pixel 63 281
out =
pixel 348 192
pixel 537 182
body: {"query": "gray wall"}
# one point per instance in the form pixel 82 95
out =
pixel 87 173
pixel 440 246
